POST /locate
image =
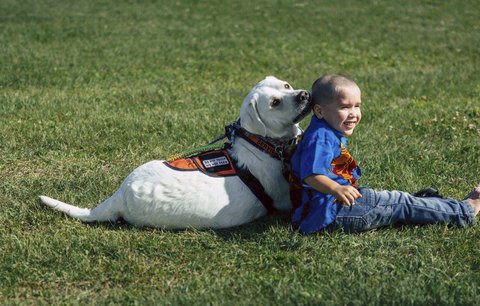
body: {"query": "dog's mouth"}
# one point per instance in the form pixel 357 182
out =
pixel 305 111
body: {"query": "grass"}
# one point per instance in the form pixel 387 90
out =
pixel 90 90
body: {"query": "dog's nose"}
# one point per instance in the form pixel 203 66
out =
pixel 303 96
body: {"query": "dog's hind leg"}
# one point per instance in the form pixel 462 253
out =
pixel 108 211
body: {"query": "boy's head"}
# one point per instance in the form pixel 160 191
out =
pixel 337 100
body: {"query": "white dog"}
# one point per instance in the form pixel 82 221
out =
pixel 158 194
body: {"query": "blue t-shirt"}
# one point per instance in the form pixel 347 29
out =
pixel 322 151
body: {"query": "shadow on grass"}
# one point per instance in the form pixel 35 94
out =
pixel 252 231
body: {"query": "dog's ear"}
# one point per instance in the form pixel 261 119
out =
pixel 268 80
pixel 250 117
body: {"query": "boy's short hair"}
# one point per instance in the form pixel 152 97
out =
pixel 328 87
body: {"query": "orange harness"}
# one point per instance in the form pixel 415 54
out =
pixel 218 163
pixel 215 163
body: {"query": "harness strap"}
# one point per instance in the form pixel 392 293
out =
pixel 262 143
pixel 257 189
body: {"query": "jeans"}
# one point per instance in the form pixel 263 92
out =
pixel 382 208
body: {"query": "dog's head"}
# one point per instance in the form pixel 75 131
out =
pixel 273 109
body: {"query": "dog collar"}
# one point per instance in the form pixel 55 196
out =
pixel 275 150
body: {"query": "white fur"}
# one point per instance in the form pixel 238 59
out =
pixel 157 196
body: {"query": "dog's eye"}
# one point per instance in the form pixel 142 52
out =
pixel 275 102
pixel 287 86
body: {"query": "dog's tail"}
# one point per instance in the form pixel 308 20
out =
pixel 102 213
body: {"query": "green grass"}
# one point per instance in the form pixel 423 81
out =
pixel 89 91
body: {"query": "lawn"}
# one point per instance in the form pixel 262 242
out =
pixel 91 89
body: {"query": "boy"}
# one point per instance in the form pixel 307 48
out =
pixel 328 173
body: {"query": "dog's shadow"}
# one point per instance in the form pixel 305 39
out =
pixel 249 231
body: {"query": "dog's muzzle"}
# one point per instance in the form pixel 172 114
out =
pixel 303 97
pixel 304 100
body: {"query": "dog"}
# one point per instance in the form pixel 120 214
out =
pixel 158 194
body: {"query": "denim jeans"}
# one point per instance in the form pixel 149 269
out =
pixel 382 208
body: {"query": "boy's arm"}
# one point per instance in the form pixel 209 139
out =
pixel 343 194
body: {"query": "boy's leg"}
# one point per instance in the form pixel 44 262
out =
pixel 382 208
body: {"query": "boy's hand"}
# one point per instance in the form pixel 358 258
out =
pixel 346 194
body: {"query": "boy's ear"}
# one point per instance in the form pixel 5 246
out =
pixel 317 110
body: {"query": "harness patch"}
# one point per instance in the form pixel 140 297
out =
pixel 213 163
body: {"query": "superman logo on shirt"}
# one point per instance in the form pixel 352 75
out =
pixel 344 166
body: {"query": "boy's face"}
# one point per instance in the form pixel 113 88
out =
pixel 343 114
